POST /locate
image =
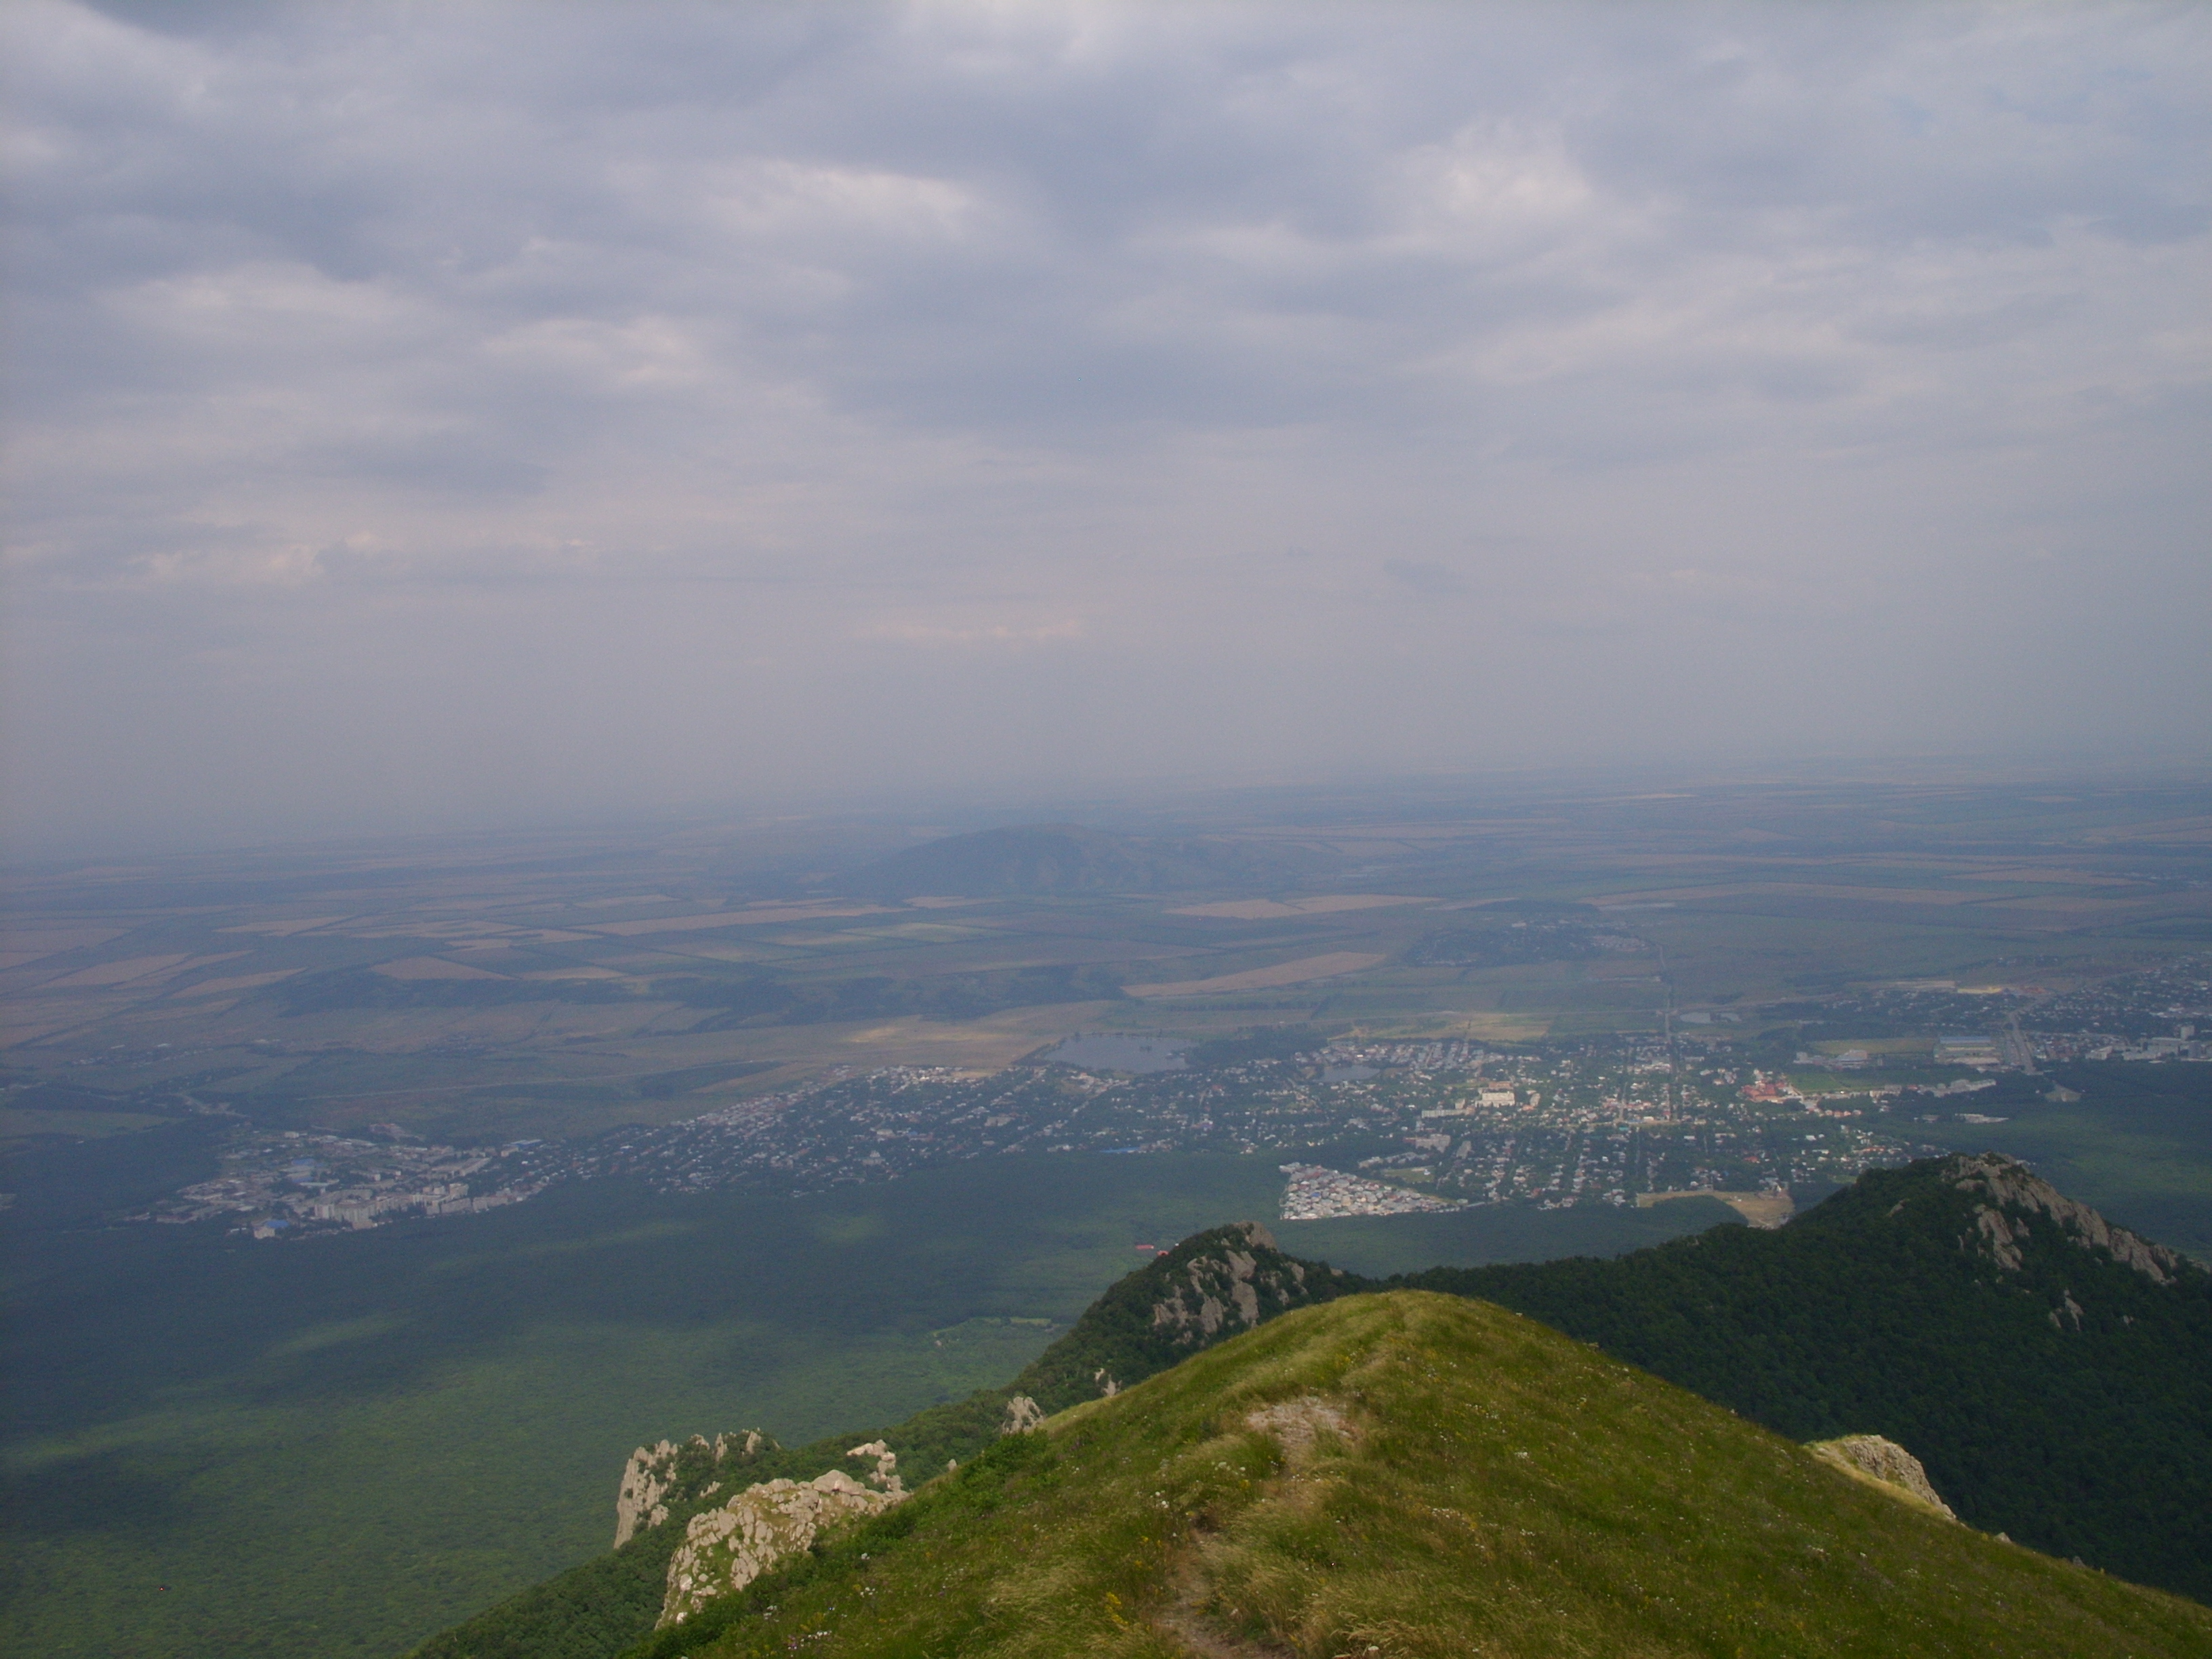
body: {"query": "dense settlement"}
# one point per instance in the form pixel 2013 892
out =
pixel 1367 1127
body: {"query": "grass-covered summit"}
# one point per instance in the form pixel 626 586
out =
pixel 1413 1474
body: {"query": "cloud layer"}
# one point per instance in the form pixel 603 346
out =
pixel 428 415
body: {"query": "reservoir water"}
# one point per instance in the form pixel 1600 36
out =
pixel 1119 1052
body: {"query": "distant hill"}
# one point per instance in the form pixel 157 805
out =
pixel 1046 858
pixel 2047 1369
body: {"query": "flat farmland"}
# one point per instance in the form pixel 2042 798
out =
pixel 534 985
pixel 1276 909
pixel 1333 964
pixel 20 1125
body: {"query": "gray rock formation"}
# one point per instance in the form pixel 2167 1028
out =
pixel 654 1472
pixel 726 1548
pixel 2003 1185
pixel 1886 1464
pixel 1218 1290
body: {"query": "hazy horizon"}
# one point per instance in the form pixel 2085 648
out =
pixel 499 416
pixel 847 825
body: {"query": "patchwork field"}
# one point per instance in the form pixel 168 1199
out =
pixel 1333 965
pixel 518 986
pixel 1271 909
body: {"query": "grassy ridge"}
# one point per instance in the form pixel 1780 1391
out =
pixel 1495 1488
pixel 2091 1435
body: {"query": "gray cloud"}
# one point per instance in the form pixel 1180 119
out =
pixel 424 416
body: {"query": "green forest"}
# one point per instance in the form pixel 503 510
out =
pixel 184 1405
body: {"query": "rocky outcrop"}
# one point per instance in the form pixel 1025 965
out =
pixel 1210 1287
pixel 1886 1463
pixel 657 1472
pixel 2010 1197
pixel 725 1549
pixel 1022 1414
pixel 1229 1289
pixel 645 1483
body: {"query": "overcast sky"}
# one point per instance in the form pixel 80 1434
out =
pixel 428 414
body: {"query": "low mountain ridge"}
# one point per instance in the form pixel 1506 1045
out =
pixel 2006 1191
pixel 1212 1285
pixel 1046 858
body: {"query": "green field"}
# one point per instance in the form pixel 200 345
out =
pixel 2137 1145
pixel 335 1446
pixel 18 1127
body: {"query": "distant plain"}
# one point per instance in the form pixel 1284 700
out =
pixel 509 986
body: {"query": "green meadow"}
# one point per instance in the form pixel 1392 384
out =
pixel 2137 1142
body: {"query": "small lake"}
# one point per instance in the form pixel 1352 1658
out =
pixel 1117 1053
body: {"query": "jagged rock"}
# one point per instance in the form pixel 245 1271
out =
pixel 1216 1288
pixel 1870 1458
pixel 2002 1184
pixel 885 1477
pixel 655 1473
pixel 726 1548
pixel 645 1481
pixel 1022 1414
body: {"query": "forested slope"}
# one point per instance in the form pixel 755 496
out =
pixel 2053 1373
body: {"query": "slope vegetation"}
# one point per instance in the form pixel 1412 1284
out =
pixel 1413 1474
pixel 1210 1287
